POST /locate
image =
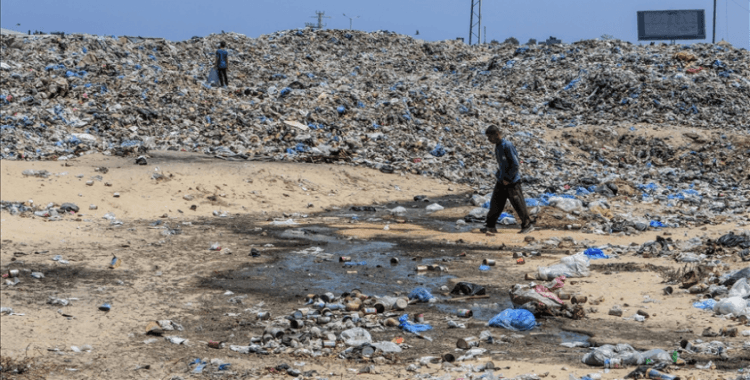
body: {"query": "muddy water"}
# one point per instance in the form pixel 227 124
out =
pixel 317 269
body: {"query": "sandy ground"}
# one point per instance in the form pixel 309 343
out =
pixel 175 277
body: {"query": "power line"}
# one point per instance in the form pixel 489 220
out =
pixel 740 5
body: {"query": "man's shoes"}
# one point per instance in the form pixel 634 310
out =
pixel 527 229
pixel 488 229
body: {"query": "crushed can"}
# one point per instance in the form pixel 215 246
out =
pixel 521 261
pixel 464 313
pixel 297 324
pixel 578 299
pixel 449 358
pixel 391 322
pixel 324 320
pixel 400 304
pixel 421 268
pixel 329 343
pixel 275 332
pixel 488 262
pixel 394 260
pixel 216 345
pixel 13 273
pixel 353 306
pixel 467 343
pixel 105 307
pixel 369 311
pixel 419 318
pixel 345 259
pixel 115 263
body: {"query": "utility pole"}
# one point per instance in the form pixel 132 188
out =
pixel 350 20
pixel 476 12
pixel 320 16
pixel 713 40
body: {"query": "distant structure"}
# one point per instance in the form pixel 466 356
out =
pixel 320 16
pixel 551 41
pixel 475 21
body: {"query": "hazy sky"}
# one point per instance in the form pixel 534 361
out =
pixel 569 20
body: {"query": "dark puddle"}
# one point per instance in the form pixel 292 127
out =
pixel 481 311
pixel 316 269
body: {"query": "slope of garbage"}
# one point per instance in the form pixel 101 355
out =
pixel 378 99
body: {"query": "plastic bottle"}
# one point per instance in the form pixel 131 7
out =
pixel 612 363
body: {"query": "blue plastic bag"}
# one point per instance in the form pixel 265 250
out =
pixel 421 294
pixel 484 267
pixel 595 253
pixel 705 304
pixel 439 151
pixel 656 224
pixel 514 319
pixel 412 327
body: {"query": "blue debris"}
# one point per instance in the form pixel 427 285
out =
pixel 705 304
pixel 421 294
pixel 514 319
pixel 341 110
pixel 412 327
pixel 484 268
pixel 595 253
pixel 439 151
pixel 656 224
pixel 581 191
pixel 354 264
pixel 572 84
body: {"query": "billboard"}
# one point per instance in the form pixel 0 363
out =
pixel 672 25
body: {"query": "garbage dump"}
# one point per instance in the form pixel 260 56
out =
pixel 342 93
pixel 634 164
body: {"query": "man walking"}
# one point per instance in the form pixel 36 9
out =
pixel 221 64
pixel 508 184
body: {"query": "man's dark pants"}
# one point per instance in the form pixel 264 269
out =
pixel 223 81
pixel 500 195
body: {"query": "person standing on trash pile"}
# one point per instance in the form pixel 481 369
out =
pixel 221 64
pixel 508 184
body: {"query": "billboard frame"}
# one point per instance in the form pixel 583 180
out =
pixel 701 25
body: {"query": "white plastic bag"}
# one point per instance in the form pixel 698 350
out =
pixel 434 207
pixel 732 305
pixel 740 288
pixel 566 204
pixel 570 266
pixel 356 337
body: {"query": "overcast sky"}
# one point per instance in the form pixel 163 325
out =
pixel 569 20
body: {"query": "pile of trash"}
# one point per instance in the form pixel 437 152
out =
pixel 330 324
pixel 345 94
